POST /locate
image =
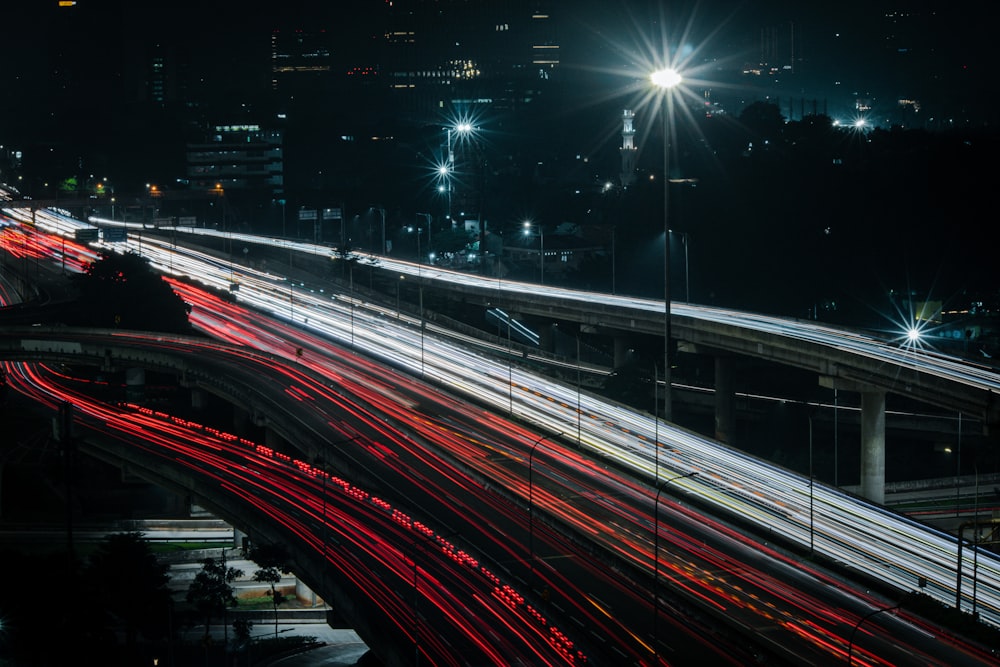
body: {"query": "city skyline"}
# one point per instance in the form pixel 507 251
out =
pixel 865 50
pixel 368 144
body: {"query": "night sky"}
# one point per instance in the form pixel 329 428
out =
pixel 892 223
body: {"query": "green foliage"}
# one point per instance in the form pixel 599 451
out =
pixel 273 559
pixel 123 291
pixel 451 240
pixel 763 119
pixel 242 628
pixel 212 590
pixel 129 585
pixel 271 555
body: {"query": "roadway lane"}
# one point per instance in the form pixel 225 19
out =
pixel 762 507
pixel 703 574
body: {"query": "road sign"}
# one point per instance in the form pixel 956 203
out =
pixel 115 234
pixel 307 214
pixel 86 235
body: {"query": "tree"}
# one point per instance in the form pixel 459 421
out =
pixel 271 576
pixel 212 591
pixel 242 628
pixel 274 560
pixel 130 585
pixel 124 291
pixel 764 120
pixel 344 255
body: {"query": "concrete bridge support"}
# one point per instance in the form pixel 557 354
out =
pixel 272 439
pixel 546 341
pixel 241 421
pixel 621 353
pixel 725 410
pixel 199 398
pixel 873 446
pixel 135 384
pixel 872 484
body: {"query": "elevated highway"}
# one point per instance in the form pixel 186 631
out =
pixel 245 371
pixel 842 359
pixel 850 361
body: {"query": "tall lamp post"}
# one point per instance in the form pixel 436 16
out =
pixel 541 249
pixel 430 225
pixel 531 508
pixel 418 231
pixel 447 170
pixel 445 188
pixel 656 557
pixel 666 79
pixel 854 631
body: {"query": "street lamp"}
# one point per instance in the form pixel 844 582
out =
pixel 430 232
pixel 656 555
pixel 447 170
pixel 419 230
pixel 850 644
pixel 382 215
pixel 541 249
pixel 444 172
pixel 666 80
pixel 531 510
pixel 381 212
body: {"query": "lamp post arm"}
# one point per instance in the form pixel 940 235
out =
pixel 656 554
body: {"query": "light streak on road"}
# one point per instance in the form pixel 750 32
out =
pixel 858 534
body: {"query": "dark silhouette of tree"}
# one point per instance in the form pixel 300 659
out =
pixel 123 291
pixel 242 628
pixel 274 560
pixel 130 586
pixel 344 256
pixel 763 120
pixel 212 591
pixel 34 581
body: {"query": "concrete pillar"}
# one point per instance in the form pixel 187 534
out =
pixel 621 351
pixel 546 341
pixel 272 439
pixel 873 446
pixel 199 399
pixel 238 536
pixel 306 594
pixel 725 410
pixel 135 384
pixel 241 421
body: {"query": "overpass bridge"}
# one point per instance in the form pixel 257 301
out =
pixel 841 359
pixel 235 375
pixel 252 383
pixel 844 360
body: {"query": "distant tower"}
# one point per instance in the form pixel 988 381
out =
pixel 628 148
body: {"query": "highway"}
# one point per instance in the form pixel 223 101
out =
pixel 867 538
pixel 809 615
pixel 900 350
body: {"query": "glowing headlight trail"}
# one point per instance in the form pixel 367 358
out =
pixel 952 368
pixel 284 489
pixel 714 582
pixel 870 546
pixel 849 530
